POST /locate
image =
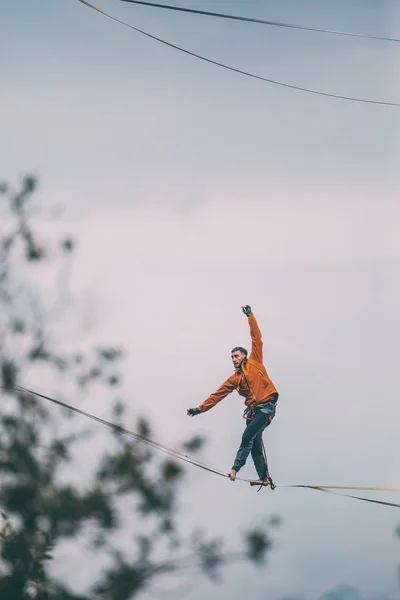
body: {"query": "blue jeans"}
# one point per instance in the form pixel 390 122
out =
pixel 252 438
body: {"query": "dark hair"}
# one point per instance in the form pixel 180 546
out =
pixel 243 350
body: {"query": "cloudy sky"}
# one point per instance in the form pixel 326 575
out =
pixel 193 190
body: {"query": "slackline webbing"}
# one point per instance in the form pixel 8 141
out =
pixel 177 454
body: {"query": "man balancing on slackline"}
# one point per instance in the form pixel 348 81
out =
pixel 251 380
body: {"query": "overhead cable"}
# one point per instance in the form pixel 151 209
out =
pixel 260 21
pixel 229 68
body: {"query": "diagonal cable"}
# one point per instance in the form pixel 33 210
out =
pixel 240 71
pixel 261 21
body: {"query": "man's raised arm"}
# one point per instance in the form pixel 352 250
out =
pixel 256 338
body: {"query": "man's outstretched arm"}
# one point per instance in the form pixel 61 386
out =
pixel 226 388
pixel 256 337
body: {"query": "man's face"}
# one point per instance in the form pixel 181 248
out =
pixel 237 358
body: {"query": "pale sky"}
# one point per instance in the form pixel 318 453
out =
pixel 192 191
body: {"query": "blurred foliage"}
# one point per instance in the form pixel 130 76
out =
pixel 131 490
pixel 195 444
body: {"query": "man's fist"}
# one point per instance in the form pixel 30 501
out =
pixel 246 309
pixel 192 412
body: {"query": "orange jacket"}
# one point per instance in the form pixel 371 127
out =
pixel 252 374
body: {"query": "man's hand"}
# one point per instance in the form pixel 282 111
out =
pixel 246 309
pixel 192 412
